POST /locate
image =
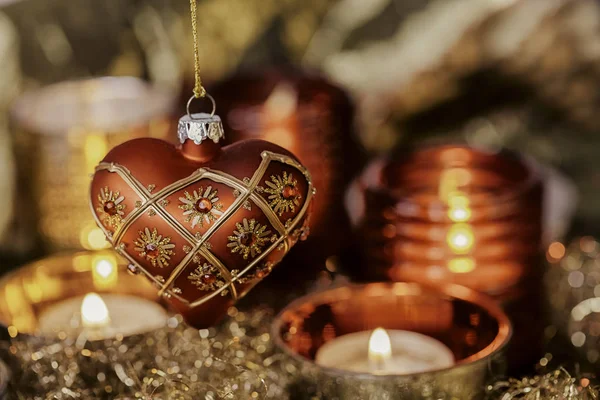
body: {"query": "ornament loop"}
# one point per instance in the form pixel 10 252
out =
pixel 189 103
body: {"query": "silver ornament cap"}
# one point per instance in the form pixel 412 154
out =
pixel 200 127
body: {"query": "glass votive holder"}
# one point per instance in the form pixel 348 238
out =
pixel 62 131
pixel 44 298
pixel 457 214
pixel 452 214
pixel 308 115
pixel 10 86
pixel 465 323
pixel 72 320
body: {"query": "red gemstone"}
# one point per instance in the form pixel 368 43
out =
pixel 261 272
pixel 289 192
pixel 203 205
pixel 208 279
pixel 152 250
pixel 247 239
pixel 110 208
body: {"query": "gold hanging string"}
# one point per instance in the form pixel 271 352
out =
pixel 199 90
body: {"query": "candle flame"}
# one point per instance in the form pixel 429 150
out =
pixel 94 313
pixel 380 347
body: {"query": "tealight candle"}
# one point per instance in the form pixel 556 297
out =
pixel 83 296
pixel 102 317
pixel 331 339
pixel 381 352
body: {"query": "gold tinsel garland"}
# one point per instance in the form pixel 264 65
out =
pixel 234 361
pixel 176 363
pixel 556 385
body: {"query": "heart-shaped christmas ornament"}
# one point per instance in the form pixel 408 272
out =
pixel 204 223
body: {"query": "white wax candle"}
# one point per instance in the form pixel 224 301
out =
pixel 127 315
pixel 411 352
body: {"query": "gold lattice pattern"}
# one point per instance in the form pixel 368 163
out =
pixel 202 207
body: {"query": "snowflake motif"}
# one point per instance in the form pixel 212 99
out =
pixel 110 208
pixel 283 193
pixel 206 277
pixel 249 238
pixel 154 247
pixel 202 207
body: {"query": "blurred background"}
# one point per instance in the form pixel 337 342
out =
pixel 338 82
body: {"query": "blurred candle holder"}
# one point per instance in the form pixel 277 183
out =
pixel 10 86
pixel 422 320
pixel 62 131
pixel 46 297
pixel 71 316
pixel 312 118
pixel 460 215
pixel 79 325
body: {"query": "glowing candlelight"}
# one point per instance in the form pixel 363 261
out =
pixel 460 238
pixel 385 352
pixel 380 349
pixel 104 268
pixel 94 313
pixel 102 317
pixel 458 207
pixel 105 273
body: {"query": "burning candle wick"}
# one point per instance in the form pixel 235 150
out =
pixel 94 313
pixel 380 349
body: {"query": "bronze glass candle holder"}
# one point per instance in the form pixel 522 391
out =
pixel 460 215
pixel 442 204
pixel 470 324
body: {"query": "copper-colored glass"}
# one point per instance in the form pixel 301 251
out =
pixel 308 116
pixel 470 324
pixel 456 214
